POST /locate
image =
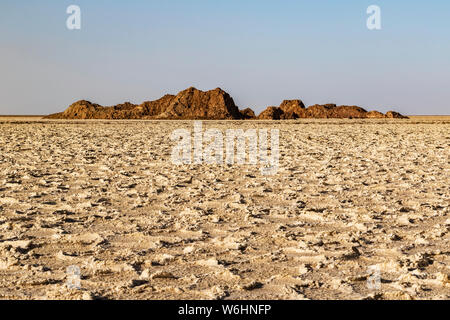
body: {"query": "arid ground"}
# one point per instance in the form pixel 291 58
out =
pixel 104 196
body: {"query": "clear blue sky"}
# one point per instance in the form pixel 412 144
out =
pixel 259 51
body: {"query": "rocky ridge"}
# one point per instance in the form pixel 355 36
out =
pixel 194 104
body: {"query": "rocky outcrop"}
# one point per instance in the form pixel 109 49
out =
pixel 196 104
pixel 80 110
pixel 395 115
pixel 350 112
pixel 318 111
pixel 247 114
pixel 215 104
pixel 188 104
pixel 292 109
pixel 151 109
pixel 289 111
pixel 271 113
pixel 375 115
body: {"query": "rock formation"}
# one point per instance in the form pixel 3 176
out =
pixel 375 115
pixel 291 109
pixel 247 114
pixel 319 111
pixel 195 104
pixel 395 115
pixel 271 113
pixel 188 104
pixel 215 104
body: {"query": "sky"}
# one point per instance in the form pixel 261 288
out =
pixel 261 52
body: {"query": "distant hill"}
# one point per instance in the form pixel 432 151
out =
pixel 194 104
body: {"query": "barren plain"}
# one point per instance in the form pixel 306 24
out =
pixel 350 196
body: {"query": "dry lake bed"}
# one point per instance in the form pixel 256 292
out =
pixel 358 209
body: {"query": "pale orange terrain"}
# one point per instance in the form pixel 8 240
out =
pixel 105 197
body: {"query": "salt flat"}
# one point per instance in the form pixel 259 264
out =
pixel 104 196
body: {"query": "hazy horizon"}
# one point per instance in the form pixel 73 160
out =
pixel 260 52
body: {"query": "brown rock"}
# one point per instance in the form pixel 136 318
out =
pixel 271 113
pixel 375 115
pixel 195 104
pixel 86 110
pixel 247 114
pixel 83 110
pixel 319 111
pixel 288 110
pixel 333 111
pixel 289 115
pixel 395 115
pixel 188 104
pixel 153 108
pixel 215 104
pixel 352 112
pixel 293 109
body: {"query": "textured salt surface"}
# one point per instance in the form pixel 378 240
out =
pixel 104 196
